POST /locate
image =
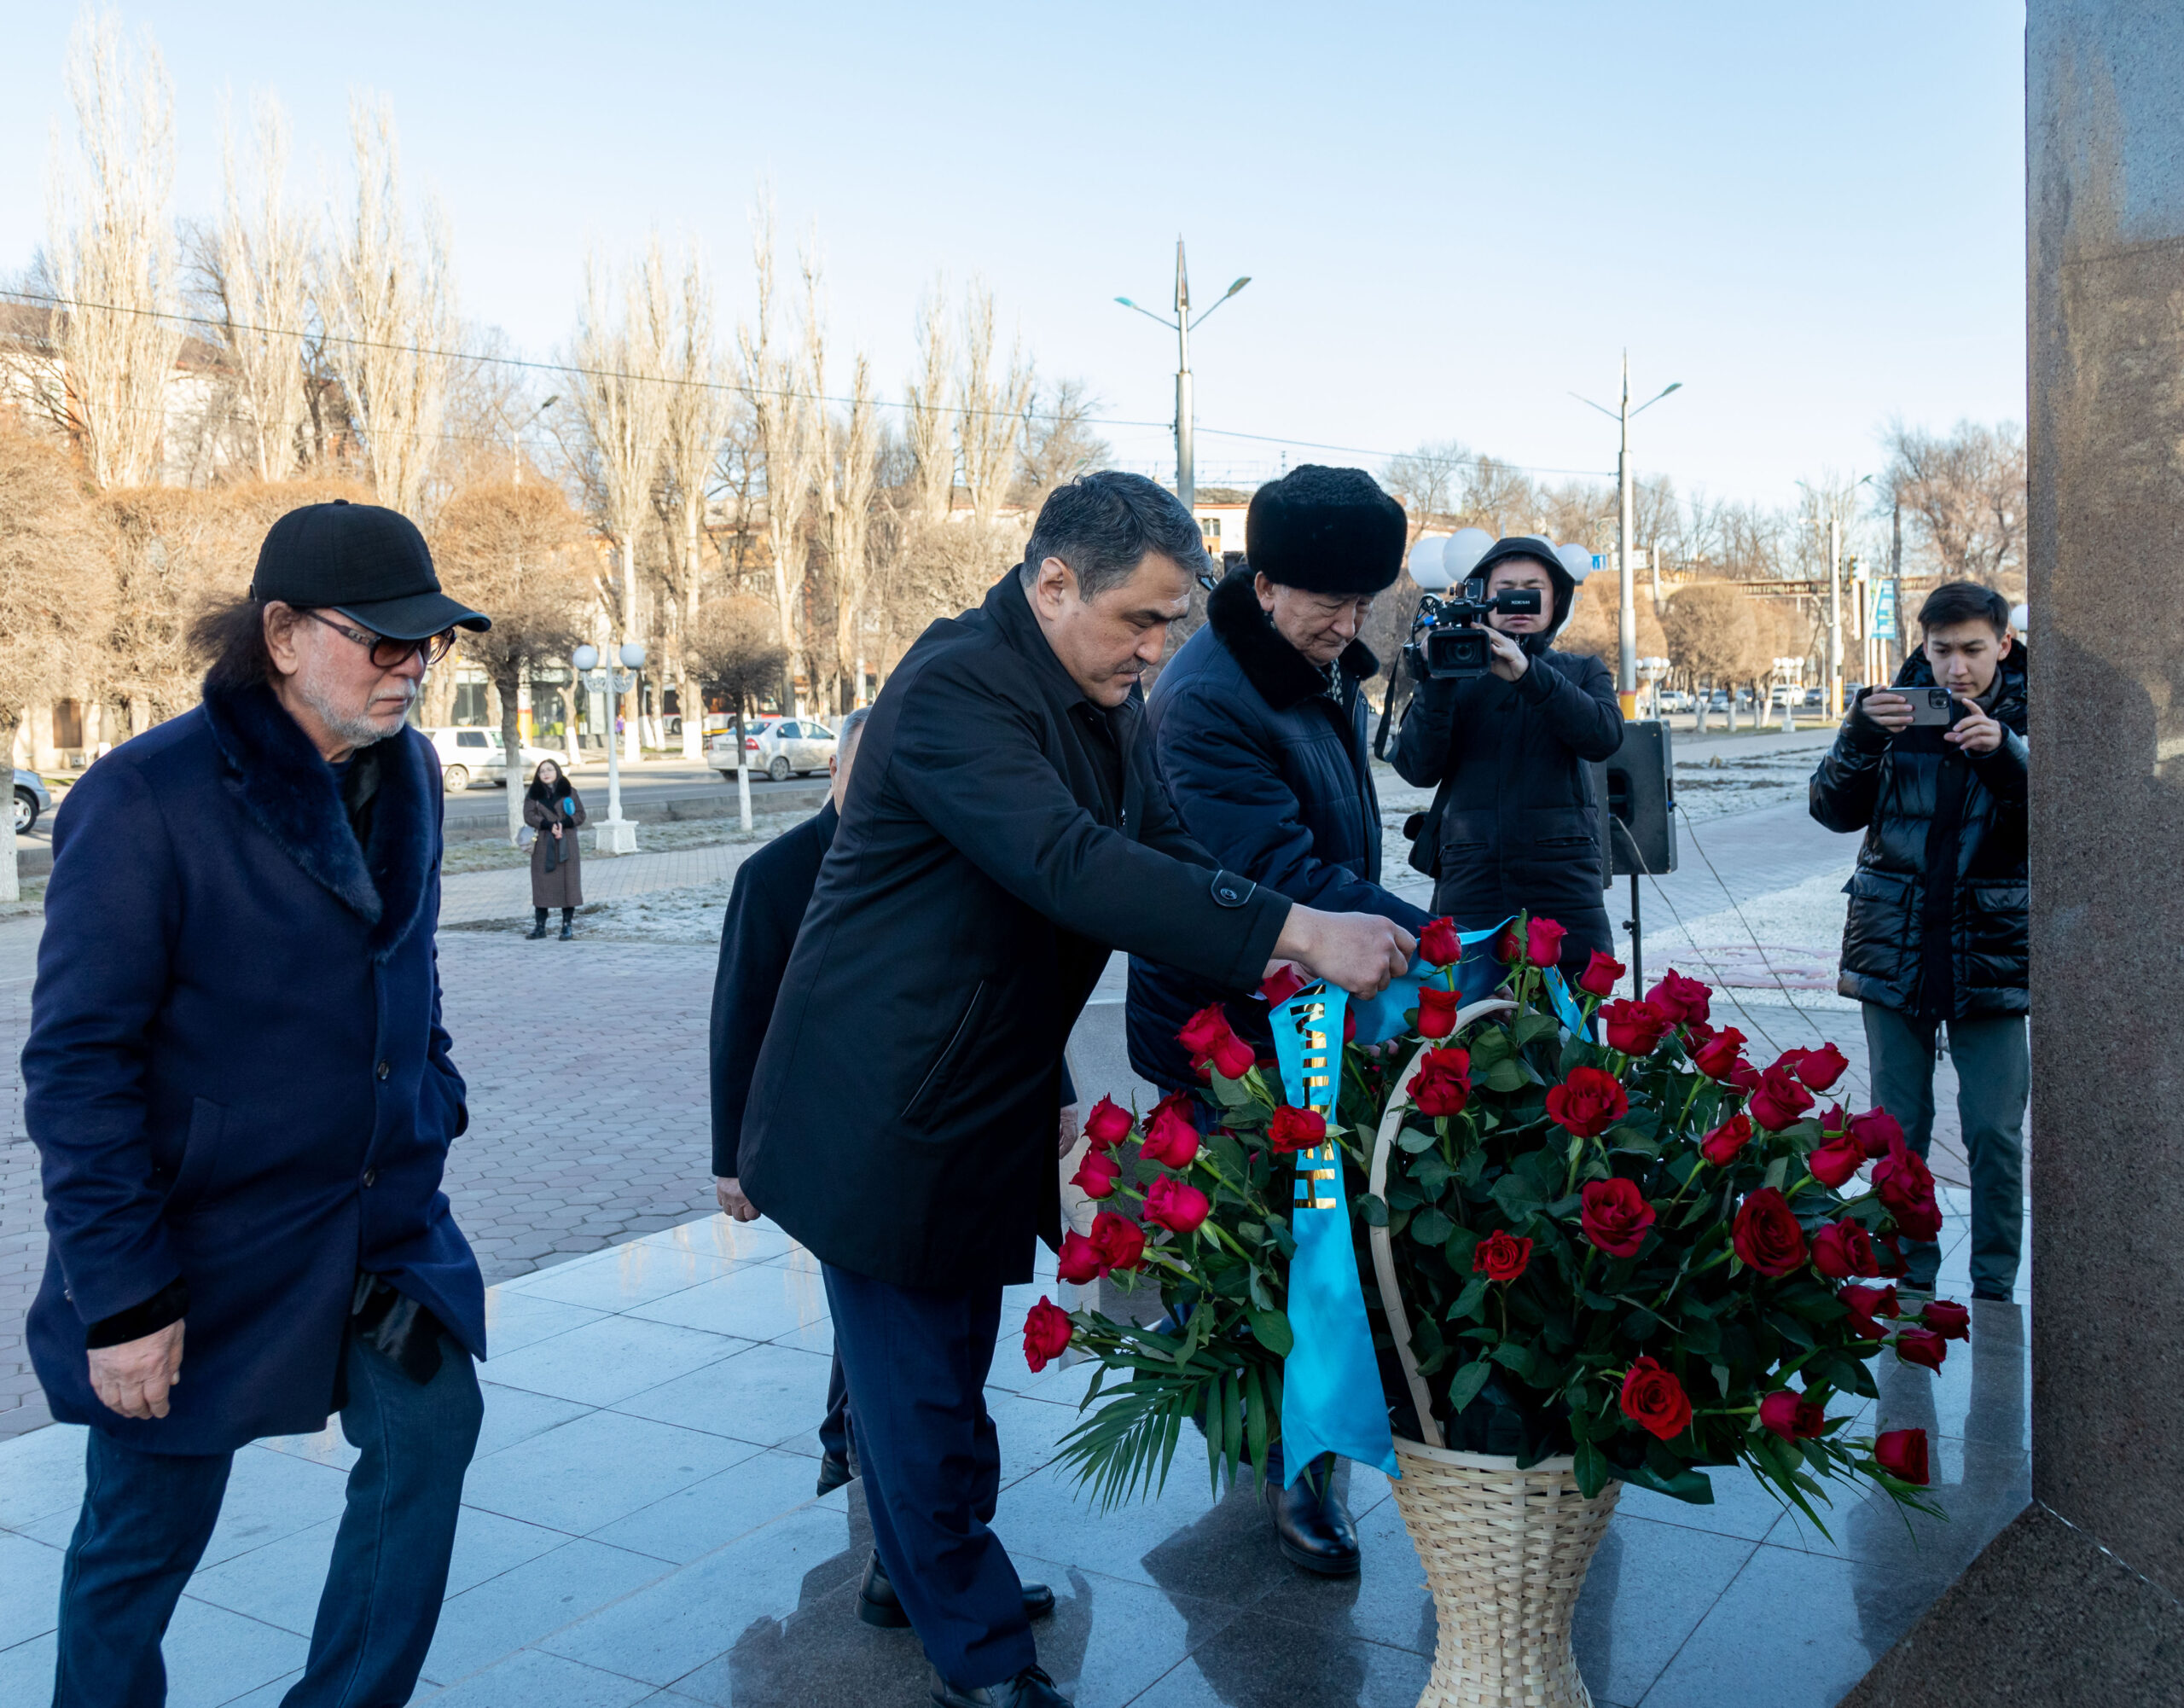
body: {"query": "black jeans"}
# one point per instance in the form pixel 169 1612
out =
pixel 146 1517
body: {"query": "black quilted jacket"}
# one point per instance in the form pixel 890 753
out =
pixel 1900 792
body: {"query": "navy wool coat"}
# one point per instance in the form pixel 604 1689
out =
pixel 236 1074
pixel 1274 780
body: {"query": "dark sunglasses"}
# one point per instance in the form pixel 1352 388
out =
pixel 386 654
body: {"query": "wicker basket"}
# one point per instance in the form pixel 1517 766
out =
pixel 1505 1551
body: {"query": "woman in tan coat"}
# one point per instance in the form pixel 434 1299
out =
pixel 552 810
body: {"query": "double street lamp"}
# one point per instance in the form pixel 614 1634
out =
pixel 1186 469
pixel 614 834
pixel 1626 625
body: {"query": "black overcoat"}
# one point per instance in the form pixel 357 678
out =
pixel 1274 779
pixel 1002 835
pixel 1894 789
pixel 237 1073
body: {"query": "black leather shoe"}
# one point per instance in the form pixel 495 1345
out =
pixel 1029 1688
pixel 876 1605
pixel 536 931
pixel 568 933
pixel 834 1472
pixel 1313 1531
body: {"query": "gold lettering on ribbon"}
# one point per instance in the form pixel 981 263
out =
pixel 1318 1082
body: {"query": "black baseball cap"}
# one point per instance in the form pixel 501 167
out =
pixel 368 563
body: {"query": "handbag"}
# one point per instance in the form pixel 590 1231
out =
pixel 525 836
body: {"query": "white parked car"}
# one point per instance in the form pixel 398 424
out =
pixel 469 756
pixel 782 747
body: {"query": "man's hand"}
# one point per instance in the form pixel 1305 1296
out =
pixel 1975 733
pixel 1890 711
pixel 1361 952
pixel 1510 660
pixel 728 1191
pixel 1067 1131
pixel 133 1378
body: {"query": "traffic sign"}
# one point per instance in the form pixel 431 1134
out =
pixel 1884 611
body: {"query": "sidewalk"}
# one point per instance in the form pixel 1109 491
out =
pixel 506 893
pixel 639 1527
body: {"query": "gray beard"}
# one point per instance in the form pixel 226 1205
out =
pixel 357 731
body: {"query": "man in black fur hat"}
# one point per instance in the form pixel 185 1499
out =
pixel 1258 729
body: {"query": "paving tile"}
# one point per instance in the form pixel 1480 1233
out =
pixel 30 1589
pixel 612 1359
pixel 717 1236
pixel 326 1446
pixel 1650 1586
pixel 516 1320
pixel 513 1415
pixel 41 1474
pixel 214 1656
pixel 1258 1661
pixel 697 1519
pixel 522 1605
pixel 530 1679
pixel 755 1303
pixel 26 1672
pixel 594 1470
pixel 767 1395
pixel 1742 1506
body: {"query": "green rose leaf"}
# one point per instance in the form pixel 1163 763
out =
pixel 1507 1075
pixel 1270 1328
pixel 1430 1227
pixel 1464 1385
pixel 1373 1209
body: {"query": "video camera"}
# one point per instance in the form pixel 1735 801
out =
pixel 1446 643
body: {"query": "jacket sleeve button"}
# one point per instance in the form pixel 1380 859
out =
pixel 384 1070
pixel 371 1176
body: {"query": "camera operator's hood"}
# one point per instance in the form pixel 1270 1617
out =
pixel 1563 584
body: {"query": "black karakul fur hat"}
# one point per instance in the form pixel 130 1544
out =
pixel 1326 531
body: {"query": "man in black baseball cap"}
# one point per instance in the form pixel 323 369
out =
pixel 366 562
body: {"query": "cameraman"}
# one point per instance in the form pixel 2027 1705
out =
pixel 1513 825
pixel 1937 932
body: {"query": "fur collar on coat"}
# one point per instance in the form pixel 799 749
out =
pixel 1283 675
pixel 291 794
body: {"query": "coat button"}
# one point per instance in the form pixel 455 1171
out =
pixel 384 1070
pixel 371 1176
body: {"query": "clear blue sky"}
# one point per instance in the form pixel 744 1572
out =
pixel 1454 214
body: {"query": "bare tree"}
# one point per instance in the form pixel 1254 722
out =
pixel 848 527
pixel 736 649
pixel 111 258
pixel 263 290
pixel 786 440
pixel 932 450
pixel 387 298
pixel 1058 442
pixel 1712 633
pixel 699 406
pixel 1964 493
pixel 1428 481
pixel 990 408
pixel 511 549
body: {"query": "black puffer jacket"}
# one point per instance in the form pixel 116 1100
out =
pixel 1270 777
pixel 1513 826
pixel 1904 791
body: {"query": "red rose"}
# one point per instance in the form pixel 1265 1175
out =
pixel 1500 1256
pixel 1107 1125
pixel 1906 1185
pixel 1893 1264
pixel 1836 1161
pixel 1766 1235
pixel 1823 1067
pixel 1509 947
pixel 1209 1037
pixel 1836 1119
pixel 1779 1099
pixel 1654 1400
pixel 1948 1318
pixel 1119 1241
pixel 1588 1102
pixel 1634 1028
pixel 1280 985
pixel 1902 1454
pixel 1720 1147
pixel 1744 1076
pixel 1921 1346
pixel 1176 1205
pixel 1788 1062
pixel 1096 1175
pixel 1441 1085
pixel 1718 1055
pixel 1437 1012
pixel 1046 1333
pixel 1843 1250
pixel 1601 971
pixel 1438 944
pixel 1171 1136
pixel 1616 1216
pixel 1080 1260
pixel 1292 1128
pixel 1792 1416
pixel 1876 1131
pixel 1543 942
pixel 1866 1305
pixel 1685 998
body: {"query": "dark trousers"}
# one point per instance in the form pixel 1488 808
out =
pixel 146 1517
pixel 1994 1076
pixel 917 1363
pixel 836 1438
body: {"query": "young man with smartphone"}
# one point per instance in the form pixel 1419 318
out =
pixel 1933 769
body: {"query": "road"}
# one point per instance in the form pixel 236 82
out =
pixel 653 790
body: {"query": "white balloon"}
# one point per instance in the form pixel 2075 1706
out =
pixel 1577 560
pixel 1428 565
pixel 1466 546
pixel 2021 619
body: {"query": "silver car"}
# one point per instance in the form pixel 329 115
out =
pixel 788 747
pixel 32 800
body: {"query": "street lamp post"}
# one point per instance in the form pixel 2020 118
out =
pixel 613 834
pixel 1626 624
pixel 1186 466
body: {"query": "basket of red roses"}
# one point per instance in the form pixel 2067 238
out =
pixel 1617 1254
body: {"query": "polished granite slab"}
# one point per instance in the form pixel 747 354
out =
pixel 639 1526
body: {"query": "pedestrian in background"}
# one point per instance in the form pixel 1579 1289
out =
pixel 242 1099
pixel 1934 943
pixel 555 811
